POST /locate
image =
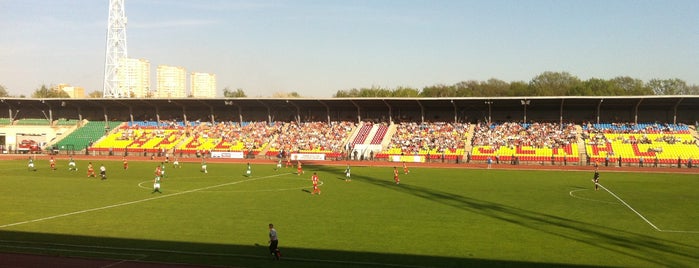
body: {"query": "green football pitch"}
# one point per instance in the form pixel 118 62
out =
pixel 433 218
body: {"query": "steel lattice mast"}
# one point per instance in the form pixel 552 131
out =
pixel 116 49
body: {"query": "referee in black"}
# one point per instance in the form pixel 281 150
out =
pixel 273 242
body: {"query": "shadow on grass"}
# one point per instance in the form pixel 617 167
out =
pixel 652 250
pixel 119 250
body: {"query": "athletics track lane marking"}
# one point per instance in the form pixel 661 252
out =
pixel 642 217
pixel 135 202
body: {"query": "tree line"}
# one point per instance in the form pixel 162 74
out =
pixel 545 84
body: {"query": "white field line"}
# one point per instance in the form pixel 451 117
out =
pixel 588 199
pixel 140 185
pixel 133 202
pixel 642 217
pixel 52 246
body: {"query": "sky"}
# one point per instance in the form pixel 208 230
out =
pixel 316 48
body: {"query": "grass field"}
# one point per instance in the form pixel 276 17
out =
pixel 434 218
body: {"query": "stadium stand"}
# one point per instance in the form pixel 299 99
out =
pixel 650 143
pixel 535 142
pixel 433 140
pixel 5 121
pixel 33 122
pixel 312 137
pixel 85 135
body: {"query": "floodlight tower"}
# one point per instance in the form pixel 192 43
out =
pixel 116 49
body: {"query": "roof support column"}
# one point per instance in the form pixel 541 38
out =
pixel 490 120
pixel 599 104
pixel 456 114
pixel 298 112
pixel 359 112
pixel 561 112
pixel 213 116
pixel 674 111
pixel 422 111
pixel 106 118
pixel 80 116
pixel 50 116
pixel 327 109
pixel 9 110
pixel 157 115
pixel 390 111
pixel 635 112
pixel 240 110
pixel 269 112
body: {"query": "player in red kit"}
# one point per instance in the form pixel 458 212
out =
pixel 395 175
pixel 52 163
pixel 299 169
pixel 314 179
pixel 90 170
pixel 126 163
pixel 158 171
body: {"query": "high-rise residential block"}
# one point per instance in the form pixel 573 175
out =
pixel 133 78
pixel 203 85
pixel 172 82
pixel 73 92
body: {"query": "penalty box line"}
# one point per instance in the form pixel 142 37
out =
pixel 640 215
pixel 136 202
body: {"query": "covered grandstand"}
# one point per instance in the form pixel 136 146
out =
pixel 450 129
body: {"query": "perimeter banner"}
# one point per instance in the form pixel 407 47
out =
pixel 235 155
pixel 407 158
pixel 297 156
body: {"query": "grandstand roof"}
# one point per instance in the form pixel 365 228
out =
pixel 467 104
pixel 349 103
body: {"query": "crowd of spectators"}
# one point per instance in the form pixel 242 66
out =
pixel 633 128
pixel 309 136
pixel 595 133
pixel 537 135
pixel 441 137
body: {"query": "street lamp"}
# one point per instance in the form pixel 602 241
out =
pixel 489 113
pixel 525 102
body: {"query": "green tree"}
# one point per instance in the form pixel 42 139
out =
pixel 45 92
pixel 466 88
pixel 405 92
pixel 238 93
pixel 630 86
pixel 438 91
pixel 520 89
pixel 95 94
pixel 293 94
pixel 3 91
pixel 347 93
pixel 553 83
pixel 494 88
pixel 672 86
pixel 595 87
pixel 693 90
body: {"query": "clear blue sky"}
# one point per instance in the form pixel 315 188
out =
pixel 318 47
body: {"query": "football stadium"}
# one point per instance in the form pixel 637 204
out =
pixel 350 182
